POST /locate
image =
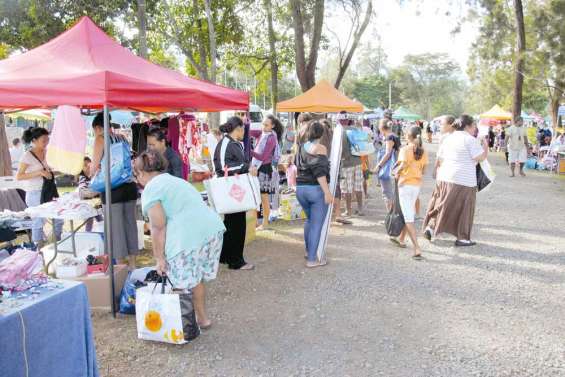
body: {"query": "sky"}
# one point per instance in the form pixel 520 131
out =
pixel 418 26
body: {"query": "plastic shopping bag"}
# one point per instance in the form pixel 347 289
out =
pixel 485 176
pixel 394 220
pixel 127 297
pixel 238 193
pixel 158 315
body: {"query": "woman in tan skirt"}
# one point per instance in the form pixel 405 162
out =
pixel 452 206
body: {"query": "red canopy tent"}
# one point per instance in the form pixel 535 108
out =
pixel 86 68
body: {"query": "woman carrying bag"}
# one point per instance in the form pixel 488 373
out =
pixel 186 234
pixel 387 159
pixel 229 157
pixel 38 179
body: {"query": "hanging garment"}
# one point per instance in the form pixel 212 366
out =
pixel 65 152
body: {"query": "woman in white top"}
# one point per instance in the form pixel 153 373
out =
pixel 33 168
pixel 452 206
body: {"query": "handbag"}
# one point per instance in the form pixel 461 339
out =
pixel 385 172
pixel 120 168
pixel 49 187
pixel 232 194
pixel 394 221
pixel 165 316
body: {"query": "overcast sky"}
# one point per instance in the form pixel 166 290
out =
pixel 417 27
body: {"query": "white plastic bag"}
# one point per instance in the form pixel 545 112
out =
pixel 158 315
pixel 238 193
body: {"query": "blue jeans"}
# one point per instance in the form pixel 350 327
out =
pixel 33 198
pixel 311 198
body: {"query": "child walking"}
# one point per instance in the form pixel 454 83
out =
pixel 412 161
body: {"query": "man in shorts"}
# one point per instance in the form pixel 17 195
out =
pixel 517 145
pixel 351 175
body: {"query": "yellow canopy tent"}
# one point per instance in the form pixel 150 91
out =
pixel 496 113
pixel 321 98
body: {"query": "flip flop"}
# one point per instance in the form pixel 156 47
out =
pixel 247 267
pixel 315 264
pixel 205 327
pixel 418 257
pixel 398 243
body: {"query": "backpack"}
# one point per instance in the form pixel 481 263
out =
pixel 120 167
pixel 360 142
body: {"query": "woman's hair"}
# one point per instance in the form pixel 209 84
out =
pixel 449 119
pixel 463 122
pixel 151 161
pixel 385 124
pixel 157 133
pixel 98 120
pixel 277 126
pixel 232 123
pixel 33 133
pixel 326 123
pixel 314 131
pixel 415 133
pixel 304 117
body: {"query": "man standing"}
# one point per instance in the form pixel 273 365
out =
pixel 517 144
pixel 16 152
pixel 351 172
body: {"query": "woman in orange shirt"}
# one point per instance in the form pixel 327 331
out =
pixel 412 161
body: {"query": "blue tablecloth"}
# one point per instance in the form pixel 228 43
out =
pixel 58 334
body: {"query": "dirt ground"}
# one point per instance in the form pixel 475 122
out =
pixel 495 309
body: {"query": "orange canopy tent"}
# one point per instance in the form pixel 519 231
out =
pixel 321 98
pixel 496 113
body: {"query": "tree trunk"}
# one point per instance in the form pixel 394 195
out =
pixel 273 57
pixel 142 22
pixel 212 36
pixel 520 59
pixel 554 109
pixel 343 66
pixel 306 70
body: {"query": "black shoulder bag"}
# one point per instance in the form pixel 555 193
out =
pixel 394 221
pixel 49 188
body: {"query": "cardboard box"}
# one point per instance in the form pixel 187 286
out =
pixel 98 287
pixel 290 209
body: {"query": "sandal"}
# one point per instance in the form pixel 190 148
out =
pixel 247 267
pixel 315 264
pixel 205 327
pixel 398 243
pixel 418 257
pixel 343 221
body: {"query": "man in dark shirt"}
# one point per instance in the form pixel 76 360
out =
pixel 157 141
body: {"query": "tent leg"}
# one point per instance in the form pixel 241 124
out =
pixel 107 218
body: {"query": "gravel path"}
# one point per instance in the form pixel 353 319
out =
pixel 492 310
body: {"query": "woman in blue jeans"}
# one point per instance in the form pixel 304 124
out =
pixel 312 190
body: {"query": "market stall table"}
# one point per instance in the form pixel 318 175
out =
pixel 48 333
pixel 69 209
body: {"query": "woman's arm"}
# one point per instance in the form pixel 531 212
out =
pixel 388 152
pixel 21 175
pixel 267 151
pixel 483 155
pixel 97 153
pixel 158 222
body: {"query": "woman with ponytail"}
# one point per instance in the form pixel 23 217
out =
pixel 229 157
pixel 34 172
pixel 412 161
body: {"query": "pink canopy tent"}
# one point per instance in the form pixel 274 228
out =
pixel 86 68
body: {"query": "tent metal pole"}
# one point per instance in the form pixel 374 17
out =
pixel 107 218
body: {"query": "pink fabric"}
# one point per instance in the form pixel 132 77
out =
pixel 291 173
pixel 19 267
pixel 85 67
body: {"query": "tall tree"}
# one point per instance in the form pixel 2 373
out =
pixel 520 59
pixel 302 13
pixel 142 26
pixel 359 23
pixel 272 55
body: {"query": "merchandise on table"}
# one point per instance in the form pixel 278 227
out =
pixel 22 270
pixel 290 209
pixel 67 207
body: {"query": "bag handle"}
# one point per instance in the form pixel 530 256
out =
pixel 41 162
